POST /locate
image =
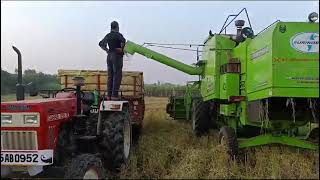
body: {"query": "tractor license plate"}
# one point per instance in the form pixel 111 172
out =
pixel 25 158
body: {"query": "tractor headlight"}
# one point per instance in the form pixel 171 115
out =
pixel 313 17
pixel 6 119
pixel 30 119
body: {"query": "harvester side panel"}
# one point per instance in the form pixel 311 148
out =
pixel 238 53
pixel 215 54
pixel 229 85
pixel 259 66
pixel 295 72
pixel 277 68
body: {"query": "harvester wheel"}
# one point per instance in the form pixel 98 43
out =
pixel 117 137
pixel 85 166
pixel 200 117
pixel 228 139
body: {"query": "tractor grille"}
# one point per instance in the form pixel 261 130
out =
pixel 19 140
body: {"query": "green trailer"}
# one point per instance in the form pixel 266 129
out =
pixel 179 106
pixel 176 108
pixel 256 88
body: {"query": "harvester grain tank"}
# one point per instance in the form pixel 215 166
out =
pixel 258 89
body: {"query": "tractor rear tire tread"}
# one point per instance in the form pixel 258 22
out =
pixel 113 139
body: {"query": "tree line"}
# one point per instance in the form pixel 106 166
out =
pixel 163 90
pixel 49 81
pixel 41 80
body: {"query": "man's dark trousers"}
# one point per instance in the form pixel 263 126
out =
pixel 115 63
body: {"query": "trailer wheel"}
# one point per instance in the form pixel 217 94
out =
pixel 85 166
pixel 228 139
pixel 200 117
pixel 117 137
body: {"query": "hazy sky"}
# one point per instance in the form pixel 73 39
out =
pixel 65 35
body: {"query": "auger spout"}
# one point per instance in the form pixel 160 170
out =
pixel 132 48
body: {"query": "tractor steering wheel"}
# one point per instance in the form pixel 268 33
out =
pixel 69 89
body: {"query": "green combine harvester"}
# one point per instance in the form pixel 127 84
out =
pixel 256 88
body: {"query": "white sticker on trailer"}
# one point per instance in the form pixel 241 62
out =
pixel 25 158
pixel 306 42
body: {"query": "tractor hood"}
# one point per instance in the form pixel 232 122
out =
pixel 49 105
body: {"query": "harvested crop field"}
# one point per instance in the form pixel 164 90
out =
pixel 169 149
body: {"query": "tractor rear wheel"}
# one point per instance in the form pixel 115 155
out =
pixel 200 117
pixel 85 166
pixel 228 139
pixel 117 137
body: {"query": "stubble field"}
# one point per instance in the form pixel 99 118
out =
pixel 169 149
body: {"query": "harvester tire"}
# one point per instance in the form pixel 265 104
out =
pixel 200 117
pixel 117 137
pixel 85 166
pixel 228 139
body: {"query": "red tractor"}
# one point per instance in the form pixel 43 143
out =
pixel 63 132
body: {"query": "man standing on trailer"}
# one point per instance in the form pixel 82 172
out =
pixel 115 41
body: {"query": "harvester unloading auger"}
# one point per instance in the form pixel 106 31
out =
pixel 258 89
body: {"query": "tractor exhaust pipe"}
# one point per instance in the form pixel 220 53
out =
pixel 239 24
pixel 19 85
pixel 78 81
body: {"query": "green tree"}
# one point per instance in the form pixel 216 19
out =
pixel 42 80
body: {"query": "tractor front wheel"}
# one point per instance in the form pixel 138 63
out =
pixel 85 166
pixel 228 139
pixel 200 117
